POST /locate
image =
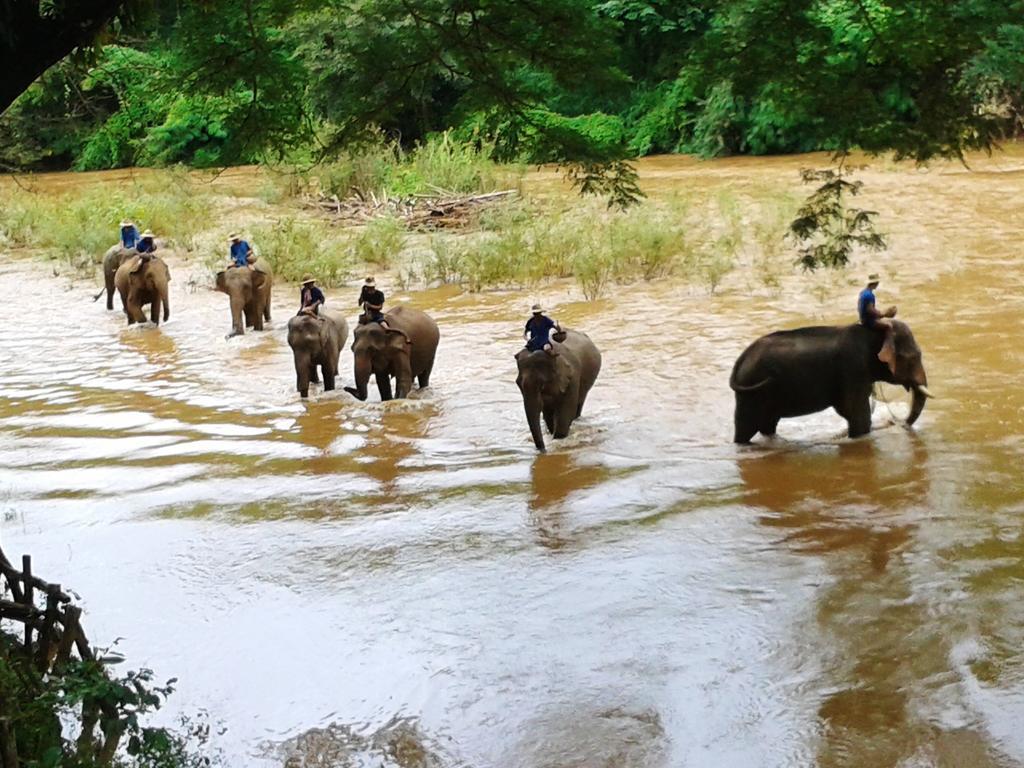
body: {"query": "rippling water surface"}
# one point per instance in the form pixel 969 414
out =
pixel 332 575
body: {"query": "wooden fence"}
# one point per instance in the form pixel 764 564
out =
pixel 50 633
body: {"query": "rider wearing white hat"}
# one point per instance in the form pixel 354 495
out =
pixel 871 317
pixel 129 234
pixel 371 299
pixel 538 329
pixel 146 244
pixel 241 252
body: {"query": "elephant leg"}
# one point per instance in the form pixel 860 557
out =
pixel 314 375
pixel 257 318
pixel 266 309
pixel 384 386
pixel 564 416
pixel 329 373
pixel 154 310
pixel 424 379
pixel 857 412
pixel 768 426
pixel 248 317
pixel 110 292
pixel 746 420
pixel 549 418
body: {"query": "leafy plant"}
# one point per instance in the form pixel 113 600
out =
pixel 380 241
pixel 826 228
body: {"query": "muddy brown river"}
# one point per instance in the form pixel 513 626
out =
pixel 646 594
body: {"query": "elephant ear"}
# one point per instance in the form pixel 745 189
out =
pixel 563 373
pixel 398 338
pixel 258 279
pixel 139 263
pixel 220 282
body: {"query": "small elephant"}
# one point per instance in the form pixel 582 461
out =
pixel 143 280
pixel 115 256
pixel 556 381
pixel 316 340
pixel 403 351
pixel 249 291
pixel 793 373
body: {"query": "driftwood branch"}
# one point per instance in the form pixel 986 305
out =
pixel 417 212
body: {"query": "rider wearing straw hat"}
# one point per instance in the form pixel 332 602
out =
pixel 371 299
pixel 538 330
pixel 241 252
pixel 129 234
pixel 871 317
pixel 311 298
pixel 146 244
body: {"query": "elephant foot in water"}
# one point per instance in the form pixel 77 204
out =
pixel 355 393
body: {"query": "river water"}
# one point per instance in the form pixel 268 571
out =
pixel 646 594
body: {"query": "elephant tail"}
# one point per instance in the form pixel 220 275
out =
pixel 736 387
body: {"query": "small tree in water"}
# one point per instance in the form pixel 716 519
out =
pixel 826 228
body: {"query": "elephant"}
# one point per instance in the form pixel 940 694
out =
pixel 316 340
pixel 144 280
pixel 249 291
pixel 556 381
pixel 801 371
pixel 404 350
pixel 115 256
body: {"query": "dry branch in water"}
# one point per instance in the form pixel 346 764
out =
pixel 419 212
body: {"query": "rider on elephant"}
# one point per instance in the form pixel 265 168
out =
pixel 311 298
pixel 538 330
pixel 146 244
pixel 872 317
pixel 129 234
pixel 241 252
pixel 371 300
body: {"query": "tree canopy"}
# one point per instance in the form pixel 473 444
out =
pixel 588 81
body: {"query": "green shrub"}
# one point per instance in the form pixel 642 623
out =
pixel 79 226
pixel 295 247
pixel 380 241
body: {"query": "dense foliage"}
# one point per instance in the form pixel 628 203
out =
pixel 589 81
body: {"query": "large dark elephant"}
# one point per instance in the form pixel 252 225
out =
pixel 144 280
pixel 112 259
pixel 403 351
pixel 316 341
pixel 249 291
pixel 555 382
pixel 793 373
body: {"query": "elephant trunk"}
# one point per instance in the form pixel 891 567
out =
pixel 532 406
pixel 302 367
pixel 362 374
pixel 237 324
pixel 921 394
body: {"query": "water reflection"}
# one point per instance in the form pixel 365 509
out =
pixel 554 477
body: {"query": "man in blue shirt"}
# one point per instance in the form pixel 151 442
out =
pixel 240 252
pixel 129 234
pixel 538 330
pixel 311 298
pixel 146 244
pixel 871 317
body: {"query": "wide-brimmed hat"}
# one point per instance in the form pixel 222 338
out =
pixel 308 278
pixel 148 233
pixel 873 278
pixel 537 309
pixel 127 223
pixel 370 281
pixel 233 237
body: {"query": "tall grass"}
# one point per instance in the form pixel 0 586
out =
pixel 440 165
pixel 78 226
pixel 380 241
pixel 295 247
pixel 522 245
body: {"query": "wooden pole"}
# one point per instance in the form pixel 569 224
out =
pixel 26 574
